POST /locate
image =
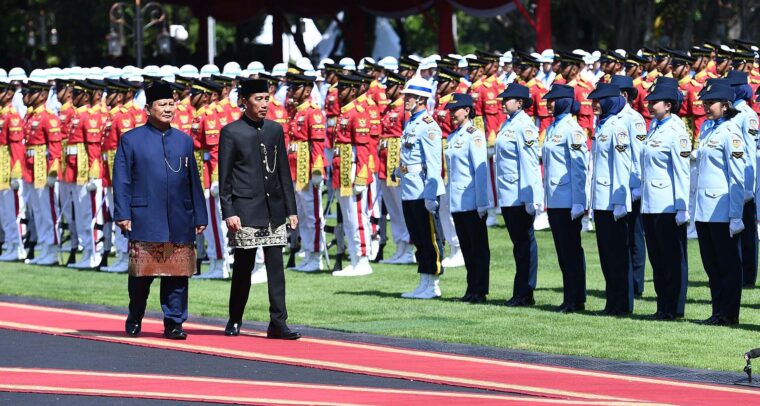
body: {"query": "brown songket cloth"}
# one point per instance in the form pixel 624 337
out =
pixel 161 259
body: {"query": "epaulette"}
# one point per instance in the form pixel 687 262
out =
pixel 477 84
pixel 114 110
pixel 445 99
pixel 471 129
pixel 348 107
pixel 531 83
pixel 428 119
pixel 397 103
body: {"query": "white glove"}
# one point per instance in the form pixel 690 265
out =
pixel 748 196
pixel 51 181
pixel 91 186
pixel 682 217
pixel 15 184
pixel 214 190
pixel 531 208
pixel 491 151
pixel 482 211
pixel 636 193
pixel 358 189
pixel 693 155
pixel 619 211
pixel 735 226
pixel 431 205
pixel 316 179
pixel 577 211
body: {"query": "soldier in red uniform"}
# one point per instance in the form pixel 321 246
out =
pixel 307 166
pixel 82 175
pixel 351 175
pixel 205 132
pixel 389 154
pixel 570 64
pixel 120 120
pixel 692 111
pixel 332 111
pixel 11 162
pixel 634 68
pixel 42 166
pixel 407 67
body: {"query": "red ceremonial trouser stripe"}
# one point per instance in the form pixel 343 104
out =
pixel 317 218
pixel 217 242
pixel 363 240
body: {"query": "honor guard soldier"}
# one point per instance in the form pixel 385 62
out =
pixel 120 122
pixel 570 75
pixel 307 162
pixel 665 201
pixel 205 132
pixel 373 193
pixel 11 163
pixel 42 166
pixel 82 183
pixel 747 121
pixel 447 84
pixel 467 192
pixel 421 184
pixel 564 156
pixel 611 197
pixel 351 175
pixel 519 191
pixel 393 119
pixel 637 129
pixel 721 163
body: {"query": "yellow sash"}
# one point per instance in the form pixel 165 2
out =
pixel 391 163
pixel 479 123
pixel 199 162
pixel 346 152
pixel 82 164
pixel 110 159
pixel 443 161
pixel 40 165
pixel 302 164
pixel 5 167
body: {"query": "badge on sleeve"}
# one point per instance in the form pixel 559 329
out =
pixel 431 135
pixel 478 141
pixel 578 139
pixel 641 127
pixel 621 139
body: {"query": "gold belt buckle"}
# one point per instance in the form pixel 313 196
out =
pixel 403 169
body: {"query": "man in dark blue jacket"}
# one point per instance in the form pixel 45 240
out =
pixel 160 207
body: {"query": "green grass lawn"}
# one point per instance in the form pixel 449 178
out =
pixel 372 304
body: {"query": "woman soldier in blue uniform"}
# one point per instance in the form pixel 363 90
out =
pixel 721 163
pixel 665 199
pixel 565 166
pixel 611 197
pixel 518 184
pixel 467 191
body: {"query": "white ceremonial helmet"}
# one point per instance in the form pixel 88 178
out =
pixel 347 63
pixel 419 87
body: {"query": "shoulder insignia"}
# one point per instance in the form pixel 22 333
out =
pixel 685 154
pixel 478 141
pixel 471 130
pixel 736 143
pixel 317 117
pixel 529 135
pixel 641 127
pixel 427 119
pixel 578 138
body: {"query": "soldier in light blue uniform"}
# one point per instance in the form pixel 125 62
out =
pixel 665 200
pixel 565 167
pixel 746 120
pixel 637 130
pixel 421 184
pixel 519 192
pixel 467 193
pixel 721 163
pixel 611 196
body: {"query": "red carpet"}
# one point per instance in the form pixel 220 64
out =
pixel 232 391
pixel 539 380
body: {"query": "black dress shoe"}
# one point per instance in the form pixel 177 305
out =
pixel 175 333
pixel 477 299
pixel 561 308
pixel 663 316
pixel 132 328
pixel 466 298
pixel 710 320
pixel 232 329
pixel 283 334
pixel 573 308
pixel 521 301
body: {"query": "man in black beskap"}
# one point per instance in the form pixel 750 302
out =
pixel 258 204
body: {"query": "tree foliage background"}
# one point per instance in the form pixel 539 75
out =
pixel 82 26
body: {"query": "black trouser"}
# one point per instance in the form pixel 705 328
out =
pixel 637 246
pixel 749 244
pixel 173 298
pixel 425 232
pixel 520 227
pixel 614 258
pixel 666 243
pixel 570 255
pixel 720 258
pixel 473 240
pixel 245 259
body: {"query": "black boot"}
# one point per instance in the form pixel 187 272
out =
pixel 338 265
pixel 30 249
pixel 379 256
pixel 103 261
pixel 292 257
pixel 72 257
